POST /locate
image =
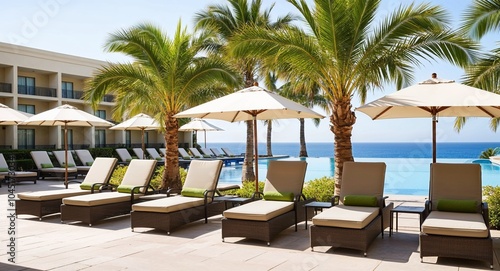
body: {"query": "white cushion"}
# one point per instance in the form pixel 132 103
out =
pixel 261 210
pixel 455 224
pixel 352 217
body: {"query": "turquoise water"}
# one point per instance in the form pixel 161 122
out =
pixel 404 176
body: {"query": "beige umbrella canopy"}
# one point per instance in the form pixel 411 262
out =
pixel 253 103
pixel 200 125
pixel 9 116
pixel 434 98
pixel 66 115
pixel 139 122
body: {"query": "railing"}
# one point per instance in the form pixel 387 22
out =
pixel 5 87
pixel 5 147
pixel 109 98
pixel 37 91
pixel 75 94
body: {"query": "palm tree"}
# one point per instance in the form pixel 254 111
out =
pixel 307 94
pixel 223 22
pixel 347 52
pixel 489 152
pixel 270 81
pixel 166 76
pixel 481 18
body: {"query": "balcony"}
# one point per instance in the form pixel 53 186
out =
pixel 72 94
pixel 5 87
pixel 109 98
pixel 37 91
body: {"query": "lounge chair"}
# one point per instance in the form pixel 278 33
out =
pixel 217 153
pixel 15 176
pixel 207 152
pixel 47 169
pixel 197 153
pixel 139 153
pixel 184 154
pixel 163 151
pixel 282 207
pixel 82 170
pixel 43 203
pixel 153 153
pixel 194 203
pixel 457 225
pixel 359 213
pixel 85 157
pixel 229 153
pixel 124 155
pixel 98 206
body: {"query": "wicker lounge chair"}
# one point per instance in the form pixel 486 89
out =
pixel 85 157
pixel 282 207
pixel 154 154
pixel 47 169
pixel 82 170
pixel 194 203
pixel 217 153
pixel 16 176
pixel 359 214
pixel 139 153
pixel 124 155
pixel 457 224
pixel 207 152
pixel 98 206
pixel 229 153
pixel 43 203
pixel 185 155
pixel 197 153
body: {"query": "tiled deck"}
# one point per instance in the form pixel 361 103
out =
pixel 110 245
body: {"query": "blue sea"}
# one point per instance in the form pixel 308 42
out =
pixel 407 163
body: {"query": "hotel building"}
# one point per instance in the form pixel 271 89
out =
pixel 34 81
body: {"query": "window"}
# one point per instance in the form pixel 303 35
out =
pixel 67 90
pixel 128 138
pixel 101 114
pixel 26 138
pixel 100 138
pixel 28 108
pixel 26 85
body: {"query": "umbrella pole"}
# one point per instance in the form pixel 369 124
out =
pixel 143 146
pixel 434 121
pixel 205 136
pixel 66 155
pixel 256 153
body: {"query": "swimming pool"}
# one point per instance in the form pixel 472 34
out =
pixel 404 176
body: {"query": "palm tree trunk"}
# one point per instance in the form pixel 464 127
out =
pixel 303 148
pixel 269 132
pixel 342 120
pixel 171 177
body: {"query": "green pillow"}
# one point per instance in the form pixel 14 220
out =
pixel 47 165
pixel 89 164
pixel 361 200
pixel 186 157
pixel 193 192
pixel 4 169
pixel 69 164
pixel 459 206
pixel 88 186
pixel 159 158
pixel 206 156
pixel 128 160
pixel 274 195
pixel 127 189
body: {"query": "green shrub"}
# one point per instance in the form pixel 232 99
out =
pixel 246 190
pixel 321 189
pixel 101 152
pixel 492 194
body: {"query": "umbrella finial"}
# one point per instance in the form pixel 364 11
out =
pixel 434 75
pixel 256 83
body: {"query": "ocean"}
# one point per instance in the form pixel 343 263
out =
pixel 467 150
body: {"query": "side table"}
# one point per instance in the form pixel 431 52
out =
pixel 317 205
pixel 408 210
pixel 235 201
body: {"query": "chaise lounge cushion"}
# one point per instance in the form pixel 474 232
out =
pixel 168 205
pixel 98 199
pixel 455 224
pixel 262 210
pixel 52 194
pixel 352 217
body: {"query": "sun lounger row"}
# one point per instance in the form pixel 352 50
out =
pixel 456 223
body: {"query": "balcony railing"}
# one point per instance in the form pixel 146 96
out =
pixel 108 98
pixel 75 94
pixel 37 91
pixel 5 87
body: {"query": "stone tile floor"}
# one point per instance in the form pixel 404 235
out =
pixel 111 245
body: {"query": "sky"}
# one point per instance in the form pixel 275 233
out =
pixel 81 28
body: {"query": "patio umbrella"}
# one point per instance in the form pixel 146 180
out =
pixel 9 116
pixel 200 125
pixel 253 103
pixel 139 122
pixel 434 98
pixel 66 115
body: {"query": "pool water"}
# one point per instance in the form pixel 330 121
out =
pixel 404 176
